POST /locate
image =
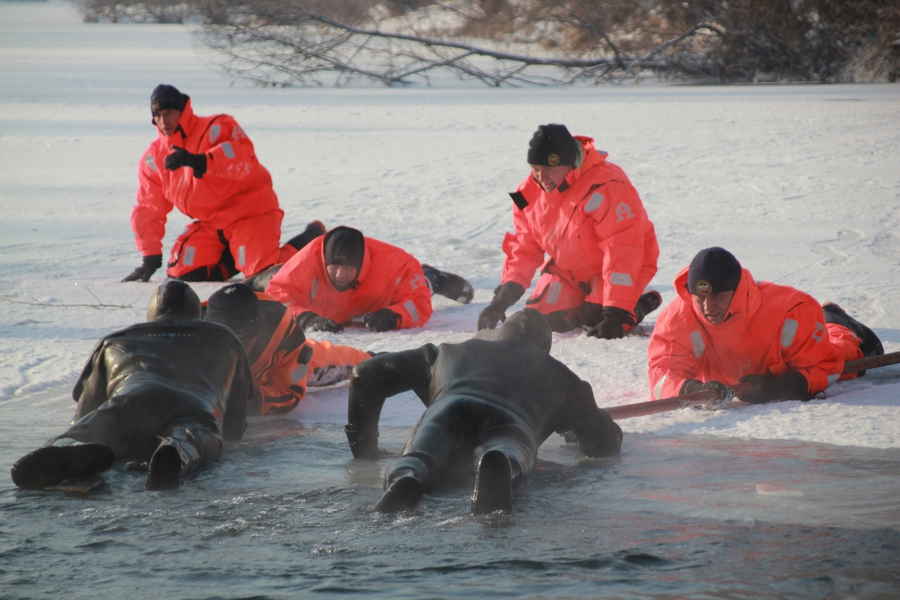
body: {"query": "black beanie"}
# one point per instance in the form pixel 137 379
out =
pixel 174 299
pixel 167 96
pixel 713 270
pixel 234 305
pixel 344 246
pixel 552 145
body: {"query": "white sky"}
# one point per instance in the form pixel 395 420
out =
pixel 802 183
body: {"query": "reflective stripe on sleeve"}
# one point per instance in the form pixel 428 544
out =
pixel 789 332
pixel 410 307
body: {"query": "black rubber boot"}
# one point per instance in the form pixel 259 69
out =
pixel 646 304
pixel 493 484
pixel 402 493
pixel 869 342
pixel 184 450
pixel 51 465
pixel 449 284
pixel 313 230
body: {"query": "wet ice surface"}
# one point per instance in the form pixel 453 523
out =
pixel 288 511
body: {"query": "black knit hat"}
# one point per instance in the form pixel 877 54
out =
pixel 344 246
pixel 552 145
pixel 713 270
pixel 167 96
pixel 234 305
pixel 174 299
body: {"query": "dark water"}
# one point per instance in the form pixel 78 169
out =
pixel 287 515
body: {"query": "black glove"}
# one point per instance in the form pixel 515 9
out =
pixel 505 295
pixel 612 325
pixel 790 385
pixel 590 314
pixel 692 386
pixel 310 320
pixel 148 267
pixel 182 158
pixel 383 319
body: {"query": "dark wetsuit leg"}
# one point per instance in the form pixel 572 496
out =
pixel 131 422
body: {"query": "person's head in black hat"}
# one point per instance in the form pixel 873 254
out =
pixel 712 279
pixel 236 306
pixel 343 251
pixel 552 153
pixel 173 299
pixel 166 105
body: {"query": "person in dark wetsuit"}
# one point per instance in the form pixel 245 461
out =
pixel 167 390
pixel 491 401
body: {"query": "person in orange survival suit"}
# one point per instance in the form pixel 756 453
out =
pixel 283 361
pixel 344 276
pixel 579 218
pixel 724 328
pixel 208 169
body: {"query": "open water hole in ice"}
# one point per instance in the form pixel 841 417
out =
pixel 287 513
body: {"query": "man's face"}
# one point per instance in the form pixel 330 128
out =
pixel 549 178
pixel 714 307
pixel 166 120
pixel 341 276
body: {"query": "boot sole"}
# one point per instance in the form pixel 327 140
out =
pixel 402 494
pixel 50 465
pixel 493 484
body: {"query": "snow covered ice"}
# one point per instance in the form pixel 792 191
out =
pixel 800 182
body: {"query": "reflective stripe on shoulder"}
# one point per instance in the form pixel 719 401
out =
pixel 214 132
pixel 594 202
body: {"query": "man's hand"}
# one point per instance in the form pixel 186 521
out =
pixel 383 319
pixel 612 325
pixel 757 389
pixel 491 316
pixel 505 296
pixel 310 320
pixel 148 267
pixel 693 386
pixel 182 158
pixel 590 314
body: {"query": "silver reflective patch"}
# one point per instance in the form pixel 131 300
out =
pixel 190 253
pixel 697 344
pixel 242 255
pixel 621 279
pixel 594 202
pixel 299 373
pixel 623 211
pixel 554 291
pixel 151 162
pixel 228 149
pixel 214 133
pixel 410 307
pixel 788 332
pixel 657 389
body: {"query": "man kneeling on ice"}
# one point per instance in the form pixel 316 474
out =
pixel 491 401
pixel 167 390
